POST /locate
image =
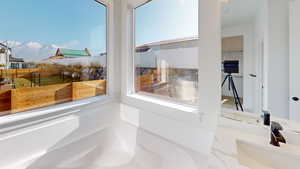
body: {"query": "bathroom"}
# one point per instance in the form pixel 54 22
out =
pixel 55 117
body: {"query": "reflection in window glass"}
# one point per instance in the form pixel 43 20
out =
pixel 166 52
pixel 51 52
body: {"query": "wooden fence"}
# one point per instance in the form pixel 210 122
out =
pixel 16 73
pixel 20 73
pixel 144 83
pixel 81 90
pixel 22 99
pixel 35 97
pixel 5 101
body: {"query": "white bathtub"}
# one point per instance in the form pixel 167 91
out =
pixel 92 141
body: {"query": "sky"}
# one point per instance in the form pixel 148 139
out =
pixel 80 24
pixel 77 24
pixel 165 20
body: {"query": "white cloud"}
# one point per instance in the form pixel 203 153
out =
pixel 34 45
pixel 32 51
pixel 71 44
pixel 37 52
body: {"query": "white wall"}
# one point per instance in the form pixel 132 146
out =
pixel 176 55
pixel 209 68
pixel 2 58
pixel 146 59
pixel 294 58
pixel 276 69
pixel 260 46
pixel 246 30
pixel 278 77
pixel 186 58
pixel 272 50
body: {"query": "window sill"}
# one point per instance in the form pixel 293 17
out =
pixel 168 103
pixel 50 112
pixel 187 114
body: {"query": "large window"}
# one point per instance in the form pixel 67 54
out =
pixel 51 52
pixel 166 49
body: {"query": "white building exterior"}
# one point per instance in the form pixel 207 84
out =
pixel 4 55
pixel 7 61
pixel 178 53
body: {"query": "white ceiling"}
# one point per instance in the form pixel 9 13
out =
pixel 239 11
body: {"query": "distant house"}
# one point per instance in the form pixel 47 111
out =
pixel 70 57
pixel 7 60
pixel 176 53
pixel 70 53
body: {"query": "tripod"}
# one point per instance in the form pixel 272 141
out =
pixel 231 85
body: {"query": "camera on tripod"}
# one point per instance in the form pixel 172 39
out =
pixel 229 67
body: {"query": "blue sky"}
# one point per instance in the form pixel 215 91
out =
pixel 166 19
pixel 81 23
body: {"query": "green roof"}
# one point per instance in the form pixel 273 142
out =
pixel 74 53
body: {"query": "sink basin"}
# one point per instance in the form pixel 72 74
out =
pixel 292 138
pixel 242 116
pixel 259 154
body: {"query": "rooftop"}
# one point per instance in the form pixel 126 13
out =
pixel 147 46
pixel 71 53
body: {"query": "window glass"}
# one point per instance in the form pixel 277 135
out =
pixel 166 51
pixel 51 52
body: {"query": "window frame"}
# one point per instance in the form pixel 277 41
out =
pixel 43 113
pixel 131 92
pixel 205 115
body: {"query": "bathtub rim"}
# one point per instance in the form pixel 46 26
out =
pixel 9 122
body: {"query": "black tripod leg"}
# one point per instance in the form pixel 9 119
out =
pixel 234 94
pixel 229 83
pixel 237 95
pixel 224 80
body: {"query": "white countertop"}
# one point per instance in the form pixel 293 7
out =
pixel 236 126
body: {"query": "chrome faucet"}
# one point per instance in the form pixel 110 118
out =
pixel 276 136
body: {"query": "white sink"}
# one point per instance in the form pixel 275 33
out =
pixel 242 116
pixel 259 154
pixel 292 138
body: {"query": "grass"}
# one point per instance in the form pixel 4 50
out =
pixel 22 82
pixel 25 82
pixel 54 80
